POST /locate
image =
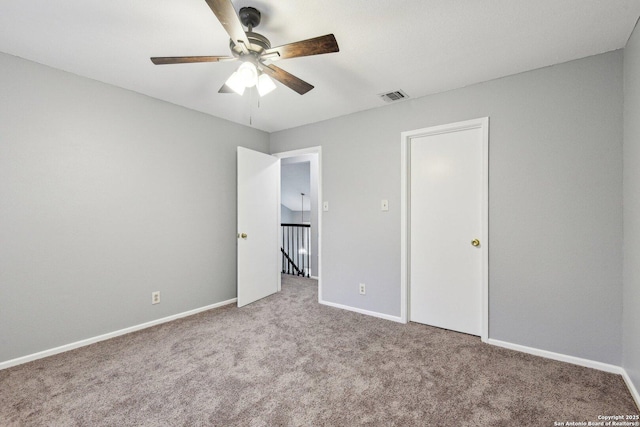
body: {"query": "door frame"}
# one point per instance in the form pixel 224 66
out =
pixel 301 152
pixel 405 205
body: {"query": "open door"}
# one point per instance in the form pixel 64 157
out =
pixel 258 216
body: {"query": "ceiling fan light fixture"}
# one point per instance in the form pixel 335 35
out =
pixel 235 83
pixel 265 84
pixel 248 74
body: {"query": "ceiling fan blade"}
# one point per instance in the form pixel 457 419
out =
pixel 286 79
pixel 226 14
pixel 161 60
pixel 314 46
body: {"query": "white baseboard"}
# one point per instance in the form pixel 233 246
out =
pixel 558 356
pixel 632 388
pixel 574 360
pixel 88 341
pixel 361 311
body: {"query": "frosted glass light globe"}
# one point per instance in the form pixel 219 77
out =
pixel 248 74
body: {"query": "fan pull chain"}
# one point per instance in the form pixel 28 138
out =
pixel 254 93
pixel 250 102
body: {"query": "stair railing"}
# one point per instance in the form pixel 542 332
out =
pixel 296 242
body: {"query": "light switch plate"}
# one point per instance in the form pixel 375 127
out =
pixel 384 205
pixel 325 206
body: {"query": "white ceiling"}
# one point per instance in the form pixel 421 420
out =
pixel 419 46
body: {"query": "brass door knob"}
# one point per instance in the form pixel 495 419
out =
pixel 243 235
pixel 475 242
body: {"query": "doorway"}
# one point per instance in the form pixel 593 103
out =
pixel 306 208
pixel 295 207
pixel 444 215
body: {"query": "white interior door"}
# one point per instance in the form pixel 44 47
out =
pixel 446 201
pixel 258 217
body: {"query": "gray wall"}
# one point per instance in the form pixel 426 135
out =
pixel 555 207
pixel 105 196
pixel 296 217
pixel 286 215
pixel 631 309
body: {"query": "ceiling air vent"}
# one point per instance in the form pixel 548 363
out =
pixel 396 95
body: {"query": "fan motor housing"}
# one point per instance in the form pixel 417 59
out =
pixel 257 44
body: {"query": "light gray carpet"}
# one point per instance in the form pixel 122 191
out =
pixel 286 360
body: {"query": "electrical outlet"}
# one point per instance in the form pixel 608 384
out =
pixel 155 297
pixel 363 289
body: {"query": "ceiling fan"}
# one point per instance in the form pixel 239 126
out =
pixel 253 50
